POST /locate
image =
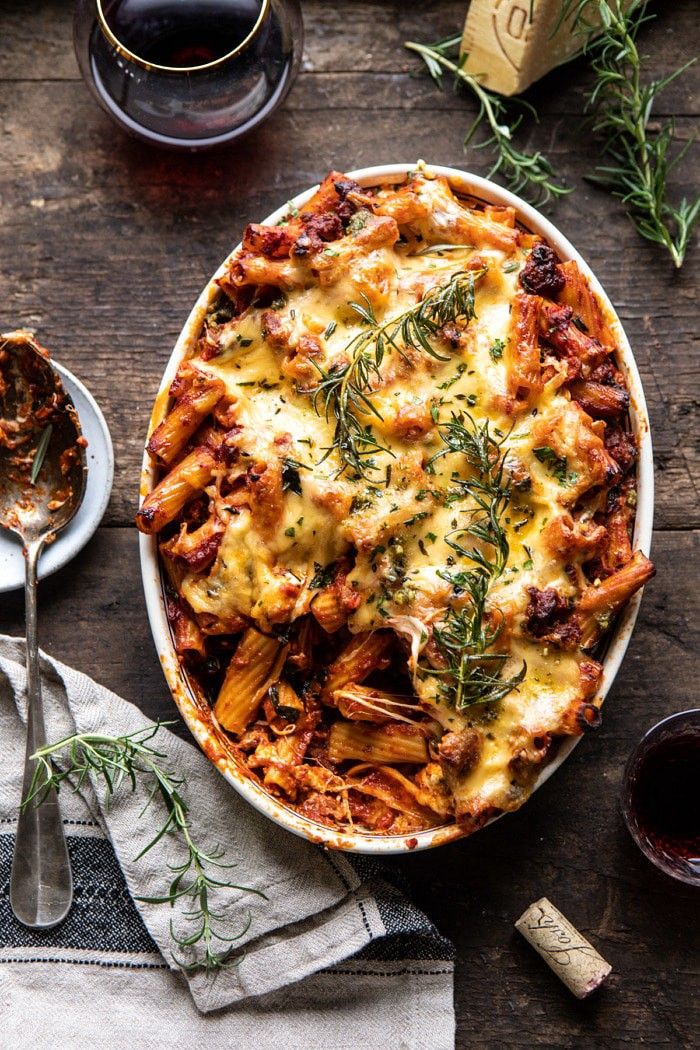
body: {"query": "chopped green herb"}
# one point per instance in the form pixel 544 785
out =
pixel 360 503
pixel 461 369
pixel 420 516
pixel 330 329
pixel 322 577
pixel 290 474
pixel 496 349
pixel 440 248
pixel 359 220
pixel 556 465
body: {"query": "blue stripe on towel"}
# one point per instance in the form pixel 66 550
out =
pixel 105 919
pixel 410 934
pixel 103 916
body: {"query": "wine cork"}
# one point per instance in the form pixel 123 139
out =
pixel 572 958
pixel 511 43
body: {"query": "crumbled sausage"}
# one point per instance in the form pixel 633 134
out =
pixel 346 208
pixel 541 274
pixel 453 335
pixel 318 229
pixel 459 752
pixel 345 186
pixel 548 617
pixel 518 474
pixel 620 445
pixel 545 609
pixel 276 331
pixel 273 242
pixel 526 759
pixel 605 373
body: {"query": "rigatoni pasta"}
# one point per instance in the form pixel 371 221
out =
pixel 254 668
pixel 395 506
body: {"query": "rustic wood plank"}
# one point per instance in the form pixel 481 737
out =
pixel 148 228
pixel 568 842
pixel 354 56
pixel 107 243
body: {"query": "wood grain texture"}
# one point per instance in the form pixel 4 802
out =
pixel 147 229
pixel 568 841
pixel 105 246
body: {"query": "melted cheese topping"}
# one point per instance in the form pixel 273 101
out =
pixel 404 512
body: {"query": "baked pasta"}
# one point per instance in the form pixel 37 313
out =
pixel 396 505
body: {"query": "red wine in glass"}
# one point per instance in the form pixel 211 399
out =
pixel 189 73
pixel 661 796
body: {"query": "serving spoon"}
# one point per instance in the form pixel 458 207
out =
pixel 43 471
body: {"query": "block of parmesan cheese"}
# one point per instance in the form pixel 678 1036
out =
pixel 512 43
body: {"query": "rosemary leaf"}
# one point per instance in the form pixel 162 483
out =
pixel 471 671
pixel 638 158
pixel 529 174
pixel 126 760
pixel 40 454
pixel 343 392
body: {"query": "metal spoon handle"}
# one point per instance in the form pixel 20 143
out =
pixel 41 884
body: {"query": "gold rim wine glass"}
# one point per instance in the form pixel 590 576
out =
pixel 188 74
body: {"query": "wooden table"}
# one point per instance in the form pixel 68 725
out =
pixel 106 244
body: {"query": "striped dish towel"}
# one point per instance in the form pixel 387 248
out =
pixel 336 957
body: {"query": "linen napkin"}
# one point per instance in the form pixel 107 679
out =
pixel 335 957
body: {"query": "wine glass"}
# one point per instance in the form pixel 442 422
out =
pixel 661 796
pixel 188 74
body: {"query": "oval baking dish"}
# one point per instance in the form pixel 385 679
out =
pixel 198 715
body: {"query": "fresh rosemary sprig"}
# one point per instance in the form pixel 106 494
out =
pixel 344 391
pixel 639 160
pixel 119 760
pixel 462 434
pixel 529 174
pixel 465 637
pixel 486 490
pixel 472 674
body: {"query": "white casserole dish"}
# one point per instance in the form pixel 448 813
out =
pixel 198 717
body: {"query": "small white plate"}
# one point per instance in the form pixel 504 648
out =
pixel 100 461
